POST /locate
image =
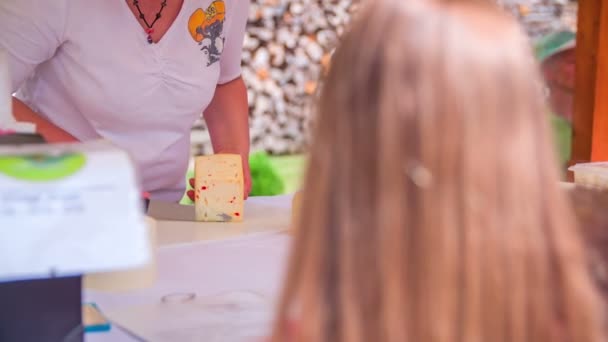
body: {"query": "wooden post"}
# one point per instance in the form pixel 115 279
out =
pixel 599 150
pixel 587 40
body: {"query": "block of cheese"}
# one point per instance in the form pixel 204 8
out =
pixel 218 194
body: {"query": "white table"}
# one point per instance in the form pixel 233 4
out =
pixel 249 257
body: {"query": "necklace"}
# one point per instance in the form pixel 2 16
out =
pixel 149 26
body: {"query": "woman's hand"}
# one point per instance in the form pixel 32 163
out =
pixel 46 129
pixel 246 176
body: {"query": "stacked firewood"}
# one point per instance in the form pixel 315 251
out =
pixel 288 45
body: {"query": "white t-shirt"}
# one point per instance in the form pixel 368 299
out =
pixel 88 68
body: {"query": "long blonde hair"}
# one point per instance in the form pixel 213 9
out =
pixel 431 210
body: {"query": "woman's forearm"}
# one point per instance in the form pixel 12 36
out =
pixel 227 118
pixel 50 132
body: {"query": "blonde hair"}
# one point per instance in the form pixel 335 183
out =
pixel 590 210
pixel 431 210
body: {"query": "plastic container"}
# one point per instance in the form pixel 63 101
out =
pixel 132 279
pixel 591 175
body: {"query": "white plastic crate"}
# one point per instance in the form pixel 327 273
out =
pixel 592 175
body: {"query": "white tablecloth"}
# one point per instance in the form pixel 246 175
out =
pixel 251 263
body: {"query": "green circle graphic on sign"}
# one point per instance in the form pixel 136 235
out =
pixel 41 168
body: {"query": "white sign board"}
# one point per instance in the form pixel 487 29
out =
pixel 69 209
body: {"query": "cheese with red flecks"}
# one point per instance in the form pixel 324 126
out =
pixel 218 194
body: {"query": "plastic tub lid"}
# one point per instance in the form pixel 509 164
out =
pixel 601 167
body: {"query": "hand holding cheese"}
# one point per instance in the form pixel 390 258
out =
pixel 218 181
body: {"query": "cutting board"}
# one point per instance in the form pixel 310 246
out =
pixel 263 215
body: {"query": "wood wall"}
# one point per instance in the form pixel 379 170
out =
pixel 590 120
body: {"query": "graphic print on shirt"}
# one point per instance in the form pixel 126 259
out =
pixel 207 29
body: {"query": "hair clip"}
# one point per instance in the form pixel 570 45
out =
pixel 420 175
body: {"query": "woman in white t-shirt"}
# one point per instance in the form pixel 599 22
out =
pixel 137 73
